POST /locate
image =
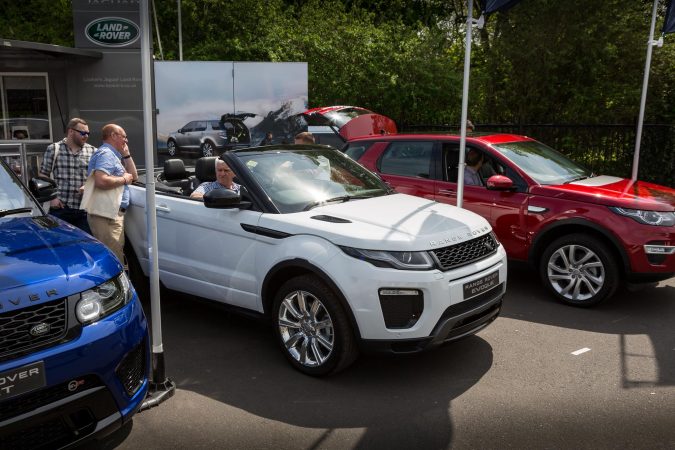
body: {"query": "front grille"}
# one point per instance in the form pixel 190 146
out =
pixel 466 252
pixel 15 327
pixel 131 371
pixel 33 400
pixel 51 434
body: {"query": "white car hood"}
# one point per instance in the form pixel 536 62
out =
pixel 396 222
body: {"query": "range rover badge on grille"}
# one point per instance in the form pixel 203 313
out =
pixel 40 329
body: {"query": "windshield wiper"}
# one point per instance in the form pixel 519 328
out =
pixel 583 177
pixel 10 212
pixel 341 199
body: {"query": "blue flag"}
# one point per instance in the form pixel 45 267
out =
pixel 669 23
pixel 490 6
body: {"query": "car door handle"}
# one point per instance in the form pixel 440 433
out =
pixel 446 191
pixel 162 208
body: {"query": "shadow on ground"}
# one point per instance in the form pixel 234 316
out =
pixel 648 310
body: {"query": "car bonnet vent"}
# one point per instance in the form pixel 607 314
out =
pixel 331 219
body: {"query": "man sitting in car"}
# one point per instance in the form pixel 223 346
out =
pixel 474 161
pixel 224 177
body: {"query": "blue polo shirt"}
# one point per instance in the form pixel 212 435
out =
pixel 109 161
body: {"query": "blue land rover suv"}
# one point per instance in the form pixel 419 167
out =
pixel 74 344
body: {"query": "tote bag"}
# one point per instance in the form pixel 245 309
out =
pixel 101 202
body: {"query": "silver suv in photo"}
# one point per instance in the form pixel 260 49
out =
pixel 209 136
pixel 204 136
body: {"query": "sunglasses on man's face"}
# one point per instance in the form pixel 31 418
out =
pixel 82 133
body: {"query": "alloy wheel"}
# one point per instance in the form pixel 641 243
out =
pixel 306 328
pixel 171 148
pixel 207 149
pixel 576 272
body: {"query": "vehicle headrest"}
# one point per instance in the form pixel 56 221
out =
pixel 205 170
pixel 174 169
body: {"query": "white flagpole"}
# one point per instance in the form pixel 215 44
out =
pixel 643 99
pixel 465 106
pixel 161 388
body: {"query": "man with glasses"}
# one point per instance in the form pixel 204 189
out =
pixel 112 167
pixel 66 162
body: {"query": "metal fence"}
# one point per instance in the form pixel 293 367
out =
pixel 606 149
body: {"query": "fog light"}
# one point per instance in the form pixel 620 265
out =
pixel 659 249
pixel 401 308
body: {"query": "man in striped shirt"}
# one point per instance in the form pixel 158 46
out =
pixel 66 162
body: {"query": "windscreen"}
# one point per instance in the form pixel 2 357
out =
pixel 14 199
pixel 299 180
pixel 542 163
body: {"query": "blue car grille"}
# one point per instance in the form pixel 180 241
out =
pixel 51 319
pixel 33 400
pixel 466 252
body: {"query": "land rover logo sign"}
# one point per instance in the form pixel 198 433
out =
pixel 112 32
pixel 40 329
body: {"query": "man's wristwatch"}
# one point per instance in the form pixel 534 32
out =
pixel 127 157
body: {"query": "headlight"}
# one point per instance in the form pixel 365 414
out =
pixel 394 260
pixel 657 218
pixel 104 299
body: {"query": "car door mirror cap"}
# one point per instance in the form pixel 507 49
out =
pixel 499 183
pixel 224 199
pixel 44 189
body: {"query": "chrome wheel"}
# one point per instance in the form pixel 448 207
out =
pixel 306 328
pixel 575 272
pixel 207 149
pixel 171 148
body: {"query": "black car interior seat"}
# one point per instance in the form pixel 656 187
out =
pixel 175 175
pixel 205 170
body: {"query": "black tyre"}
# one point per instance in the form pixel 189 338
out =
pixel 312 327
pixel 579 270
pixel 171 147
pixel 208 149
pixel 138 279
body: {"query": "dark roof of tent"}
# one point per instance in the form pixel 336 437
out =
pixel 10 48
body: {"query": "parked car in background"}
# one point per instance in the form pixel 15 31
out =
pixel 323 248
pixel 335 125
pixel 584 232
pixel 209 137
pixel 74 344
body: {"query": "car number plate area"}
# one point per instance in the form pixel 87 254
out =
pixel 21 380
pixel 484 284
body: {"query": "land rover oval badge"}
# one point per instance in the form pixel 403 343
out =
pixel 112 32
pixel 40 329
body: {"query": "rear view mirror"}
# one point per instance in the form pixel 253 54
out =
pixel 499 183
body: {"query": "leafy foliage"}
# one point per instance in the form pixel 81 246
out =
pixel 543 61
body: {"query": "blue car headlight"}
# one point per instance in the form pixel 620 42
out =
pixel 104 299
pixel 656 218
pixel 393 260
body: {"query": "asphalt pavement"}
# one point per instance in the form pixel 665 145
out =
pixel 543 375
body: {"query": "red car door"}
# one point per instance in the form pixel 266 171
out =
pixel 505 210
pixel 476 198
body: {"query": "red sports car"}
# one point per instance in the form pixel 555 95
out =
pixel 584 232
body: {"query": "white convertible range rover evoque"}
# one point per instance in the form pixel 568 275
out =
pixel 321 246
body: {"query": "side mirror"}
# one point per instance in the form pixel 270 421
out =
pixel 44 189
pixel 224 199
pixel 499 183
